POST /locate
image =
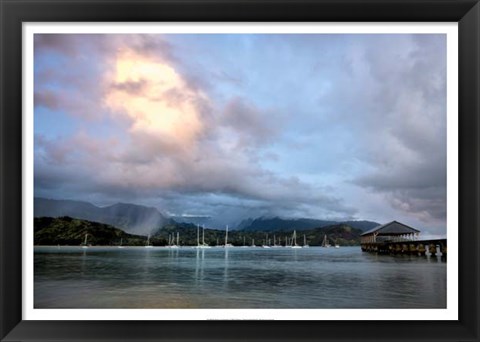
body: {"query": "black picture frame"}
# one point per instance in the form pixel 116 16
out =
pixel 15 12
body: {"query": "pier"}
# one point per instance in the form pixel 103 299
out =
pixel 437 247
pixel 398 238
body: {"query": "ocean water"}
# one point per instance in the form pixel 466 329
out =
pixel 315 277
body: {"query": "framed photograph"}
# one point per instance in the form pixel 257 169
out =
pixel 239 170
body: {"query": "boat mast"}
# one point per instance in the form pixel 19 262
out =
pixel 325 241
pixel 226 235
pixel 198 235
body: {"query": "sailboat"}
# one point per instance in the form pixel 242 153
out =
pixel 294 240
pixel 244 246
pixel 85 242
pixel 253 243
pixel 203 245
pixel 275 242
pixel 325 241
pixel 305 242
pixel 121 244
pixel 198 236
pixel 148 245
pixel 226 238
pixel 172 245
pixel 266 245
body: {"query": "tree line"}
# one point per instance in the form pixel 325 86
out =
pixel 71 231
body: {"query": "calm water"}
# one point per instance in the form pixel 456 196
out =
pixel 137 277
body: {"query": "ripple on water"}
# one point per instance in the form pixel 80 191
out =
pixel 69 277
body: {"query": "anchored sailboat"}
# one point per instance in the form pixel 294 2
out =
pixel 226 238
pixel 275 245
pixel 171 243
pixel 244 246
pixel 148 245
pixel 305 242
pixel 203 245
pixel 294 240
pixel 325 241
pixel 266 244
pixel 121 244
pixel 85 242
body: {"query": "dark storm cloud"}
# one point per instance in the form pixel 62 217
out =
pixel 403 122
pixel 428 205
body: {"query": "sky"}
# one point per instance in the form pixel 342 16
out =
pixel 236 126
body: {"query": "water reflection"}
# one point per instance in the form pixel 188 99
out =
pixel 84 262
pixel 295 257
pixel 199 269
pixel 225 269
pixel 236 278
pixel 435 258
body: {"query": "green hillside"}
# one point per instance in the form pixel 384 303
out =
pixel 339 233
pixel 69 231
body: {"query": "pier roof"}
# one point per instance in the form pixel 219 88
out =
pixel 391 228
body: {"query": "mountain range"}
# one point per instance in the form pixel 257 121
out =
pixel 132 218
pixel 277 224
pixel 142 220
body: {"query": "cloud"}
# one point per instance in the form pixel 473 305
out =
pixel 427 205
pixel 401 121
pixel 198 128
pixel 252 127
pixel 173 137
pixel 66 79
pixel 155 98
pixel 64 44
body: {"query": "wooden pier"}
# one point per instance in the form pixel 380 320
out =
pixel 398 238
pixel 437 247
